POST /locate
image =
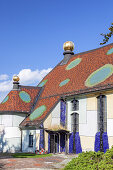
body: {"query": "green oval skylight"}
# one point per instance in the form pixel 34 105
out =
pixel 5 100
pixel 73 64
pixel 43 83
pixel 110 51
pixel 99 75
pixel 38 112
pixel 64 82
pixel 25 96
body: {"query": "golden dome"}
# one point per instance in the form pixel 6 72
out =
pixel 69 45
pixel 16 78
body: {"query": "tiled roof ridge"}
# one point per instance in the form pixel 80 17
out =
pixel 27 87
pixel 14 111
pixel 50 96
pixel 85 52
pixel 21 86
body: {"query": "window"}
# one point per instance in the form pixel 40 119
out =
pixel 30 140
pixel 102 113
pixel 75 105
pixel 102 118
pixel 75 122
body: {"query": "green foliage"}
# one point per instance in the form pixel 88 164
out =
pixel 92 161
pixel 108 35
pixel 29 155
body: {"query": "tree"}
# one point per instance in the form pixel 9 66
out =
pixel 108 35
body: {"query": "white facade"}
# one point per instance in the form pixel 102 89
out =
pixel 87 121
pixel 25 140
pixel 10 134
pixel 56 115
pixel 10 139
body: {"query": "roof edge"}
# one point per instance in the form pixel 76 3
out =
pixel 84 52
pixel 41 121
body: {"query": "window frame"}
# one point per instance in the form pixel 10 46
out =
pixel 75 122
pixel 30 140
pixel 75 105
pixel 104 112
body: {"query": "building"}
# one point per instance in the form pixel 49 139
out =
pixel 69 111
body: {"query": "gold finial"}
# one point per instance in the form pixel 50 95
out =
pixel 16 78
pixel 68 46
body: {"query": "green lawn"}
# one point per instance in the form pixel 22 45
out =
pixel 29 155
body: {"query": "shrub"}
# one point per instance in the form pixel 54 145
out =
pixel 92 161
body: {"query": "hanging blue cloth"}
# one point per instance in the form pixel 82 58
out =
pixel 63 113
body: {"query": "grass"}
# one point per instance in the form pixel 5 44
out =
pixel 5 154
pixel 29 155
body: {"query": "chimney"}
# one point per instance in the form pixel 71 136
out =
pixel 16 82
pixel 68 48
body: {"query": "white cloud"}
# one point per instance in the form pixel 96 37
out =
pixel 4 77
pixel 27 77
pixel 5 86
pixel 3 95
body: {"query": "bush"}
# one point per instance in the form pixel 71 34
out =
pixel 92 161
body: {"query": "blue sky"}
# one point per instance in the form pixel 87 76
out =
pixel 32 33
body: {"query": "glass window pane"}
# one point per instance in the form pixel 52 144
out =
pixel 30 140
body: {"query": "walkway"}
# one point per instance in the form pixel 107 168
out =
pixel 56 161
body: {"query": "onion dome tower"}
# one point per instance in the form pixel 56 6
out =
pixel 16 82
pixel 68 47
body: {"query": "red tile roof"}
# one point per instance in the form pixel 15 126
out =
pixel 90 62
pixel 14 103
pixel 84 72
pixel 63 81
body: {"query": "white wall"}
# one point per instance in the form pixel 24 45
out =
pixel 82 112
pixel 90 127
pixel 17 119
pixel 6 120
pixel 87 121
pixel 10 134
pixel 25 140
pixel 12 145
pixel 56 115
pixel 110 119
pixel 110 127
pixel 87 118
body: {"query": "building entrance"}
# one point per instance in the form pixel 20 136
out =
pixel 54 143
pixel 57 141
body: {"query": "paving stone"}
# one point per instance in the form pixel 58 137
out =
pixel 56 161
